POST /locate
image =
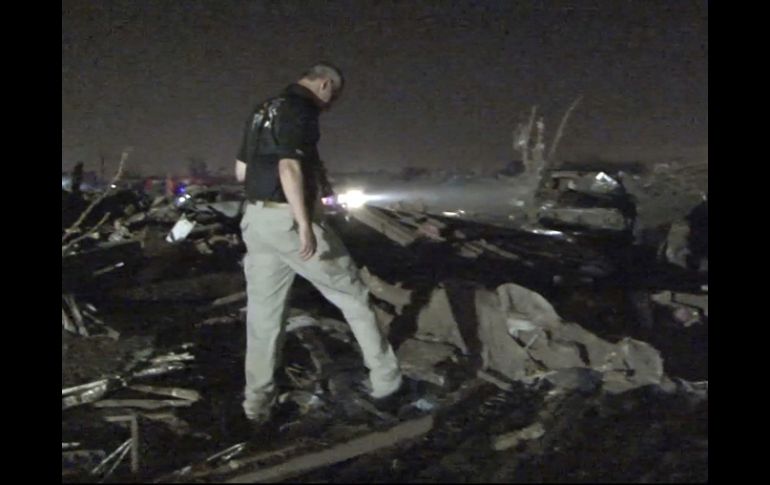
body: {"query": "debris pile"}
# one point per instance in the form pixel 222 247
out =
pixel 495 374
pixel 109 235
pixel 123 400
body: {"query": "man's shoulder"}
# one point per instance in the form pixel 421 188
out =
pixel 295 109
pixel 280 108
pixel 298 104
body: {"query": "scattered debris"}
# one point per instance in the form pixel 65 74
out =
pixel 92 393
pixel 227 300
pixel 181 230
pixel 102 383
pixel 490 377
pixel 419 360
pixel 408 430
pixel 579 379
pixel 424 405
pixel 306 401
pixel 686 308
pixel 227 453
pixel 511 440
pixel 159 369
pixel 469 344
pixel 113 460
pixel 393 294
pixel 173 357
pixel 219 320
pixel 372 409
pixel 686 243
pixel 150 404
pixel 378 220
pixel 178 392
pixel 79 461
pixel 300 321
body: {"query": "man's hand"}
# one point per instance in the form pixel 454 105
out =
pixel 307 242
pixel 290 173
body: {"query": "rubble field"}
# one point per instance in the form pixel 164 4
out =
pixel 530 353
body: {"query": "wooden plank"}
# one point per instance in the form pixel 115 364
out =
pixel 383 224
pixel 341 452
pixel 142 403
pixel 226 300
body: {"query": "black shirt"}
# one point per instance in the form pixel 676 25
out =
pixel 282 127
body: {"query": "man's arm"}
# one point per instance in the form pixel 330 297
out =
pixel 240 165
pixel 290 173
pixel 240 171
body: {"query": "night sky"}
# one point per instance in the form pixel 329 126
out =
pixel 436 84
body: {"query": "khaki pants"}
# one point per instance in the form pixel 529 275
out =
pixel 270 264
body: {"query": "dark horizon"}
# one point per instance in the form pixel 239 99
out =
pixel 430 84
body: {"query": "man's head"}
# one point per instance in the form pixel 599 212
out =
pixel 325 81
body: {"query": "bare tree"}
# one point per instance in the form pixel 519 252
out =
pixel 533 154
pixel 521 140
pixel 560 131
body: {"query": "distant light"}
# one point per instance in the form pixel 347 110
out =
pixel 181 199
pixel 113 186
pixel 353 199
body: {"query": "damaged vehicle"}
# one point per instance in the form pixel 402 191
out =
pixel 585 201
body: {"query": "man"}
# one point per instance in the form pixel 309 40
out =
pixel 77 178
pixel 285 235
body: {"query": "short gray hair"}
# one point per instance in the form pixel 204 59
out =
pixel 326 71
